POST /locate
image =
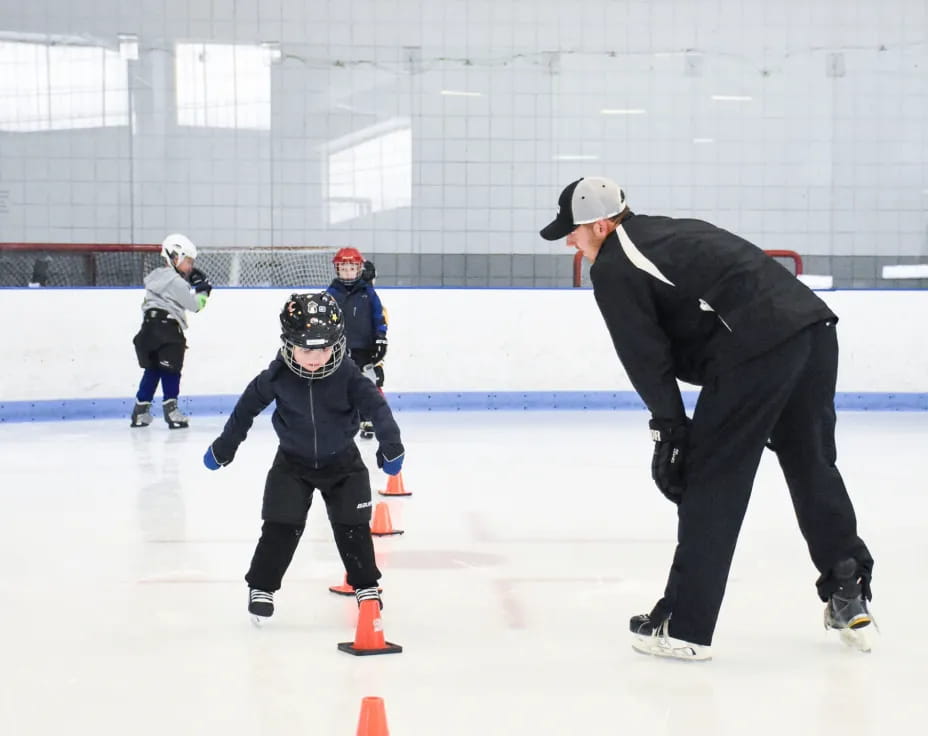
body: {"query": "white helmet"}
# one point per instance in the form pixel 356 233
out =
pixel 177 246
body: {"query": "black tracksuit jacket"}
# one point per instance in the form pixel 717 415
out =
pixel 316 419
pixel 685 299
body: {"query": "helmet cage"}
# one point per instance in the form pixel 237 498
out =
pixel 312 321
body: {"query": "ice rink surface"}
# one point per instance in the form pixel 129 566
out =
pixel 530 538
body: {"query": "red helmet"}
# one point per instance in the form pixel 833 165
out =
pixel 348 255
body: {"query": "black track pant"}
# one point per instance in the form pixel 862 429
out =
pixel 288 493
pixel 786 396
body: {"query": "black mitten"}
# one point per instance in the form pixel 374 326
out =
pixel 380 349
pixel 368 272
pixel 670 438
pixel 199 282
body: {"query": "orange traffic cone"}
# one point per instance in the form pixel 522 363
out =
pixel 395 486
pixel 382 526
pixel 373 720
pixel 368 638
pixel 345 588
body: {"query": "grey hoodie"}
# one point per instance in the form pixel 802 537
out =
pixel 166 289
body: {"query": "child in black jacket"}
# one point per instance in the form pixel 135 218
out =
pixel 318 399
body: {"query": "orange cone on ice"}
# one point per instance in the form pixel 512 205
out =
pixel 373 719
pixel 382 526
pixel 345 588
pixel 369 638
pixel 395 486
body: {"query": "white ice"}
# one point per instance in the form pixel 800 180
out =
pixel 530 540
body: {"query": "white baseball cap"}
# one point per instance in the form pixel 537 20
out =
pixel 583 201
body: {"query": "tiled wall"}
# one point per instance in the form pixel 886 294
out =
pixel 798 125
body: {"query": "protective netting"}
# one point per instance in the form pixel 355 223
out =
pixel 85 265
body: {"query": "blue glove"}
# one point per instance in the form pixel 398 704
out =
pixel 211 461
pixel 390 458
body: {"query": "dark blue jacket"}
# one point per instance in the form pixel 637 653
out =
pixel 315 420
pixel 363 313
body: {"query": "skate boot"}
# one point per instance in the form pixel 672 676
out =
pixel 846 610
pixel 652 638
pixel 368 594
pixel 367 430
pixel 141 414
pixel 173 415
pixel 260 605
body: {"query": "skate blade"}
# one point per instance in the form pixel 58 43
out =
pixel 855 639
pixel 258 621
pixel 684 653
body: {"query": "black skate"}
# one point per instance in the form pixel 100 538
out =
pixel 141 414
pixel 846 610
pixel 260 605
pixel 367 430
pixel 369 594
pixel 652 638
pixel 173 416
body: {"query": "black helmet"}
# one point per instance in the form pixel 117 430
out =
pixel 312 321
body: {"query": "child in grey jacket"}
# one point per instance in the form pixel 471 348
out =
pixel 170 292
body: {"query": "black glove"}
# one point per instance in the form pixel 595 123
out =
pixel 669 455
pixel 368 272
pixel 380 349
pixel 199 282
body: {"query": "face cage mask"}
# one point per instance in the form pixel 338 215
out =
pixel 356 279
pixel 338 353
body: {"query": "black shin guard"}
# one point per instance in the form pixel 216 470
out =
pixel 356 548
pixel 273 554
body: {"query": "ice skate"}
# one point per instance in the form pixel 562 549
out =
pixel 369 594
pixel 141 414
pixel 173 415
pixel 654 640
pixel 367 430
pixel 846 610
pixel 260 605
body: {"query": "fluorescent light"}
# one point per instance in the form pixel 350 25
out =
pixel 576 157
pixel 703 140
pixel 732 98
pixel 459 93
pixel 622 111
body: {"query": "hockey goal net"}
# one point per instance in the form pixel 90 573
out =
pixel 790 259
pixel 95 264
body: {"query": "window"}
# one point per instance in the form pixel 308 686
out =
pixel 61 87
pixel 369 171
pixel 223 85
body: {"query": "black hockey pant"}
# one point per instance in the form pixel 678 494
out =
pixel 288 493
pixel 786 396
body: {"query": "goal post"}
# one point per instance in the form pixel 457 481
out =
pixel 115 264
